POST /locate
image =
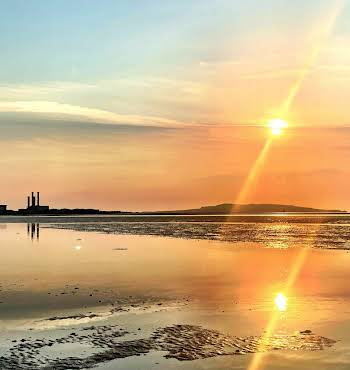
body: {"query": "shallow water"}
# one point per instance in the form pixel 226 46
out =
pixel 53 281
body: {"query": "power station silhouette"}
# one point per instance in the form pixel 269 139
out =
pixel 35 208
pixel 33 205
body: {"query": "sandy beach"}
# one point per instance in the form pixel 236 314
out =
pixel 106 295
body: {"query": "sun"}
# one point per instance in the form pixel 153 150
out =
pixel 277 125
pixel 281 302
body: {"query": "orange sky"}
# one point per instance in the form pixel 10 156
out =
pixel 179 168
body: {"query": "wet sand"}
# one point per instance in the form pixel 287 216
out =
pixel 332 233
pixel 180 342
pixel 82 299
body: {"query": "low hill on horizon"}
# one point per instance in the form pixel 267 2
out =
pixel 229 208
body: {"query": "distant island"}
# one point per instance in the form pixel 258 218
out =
pixel 229 208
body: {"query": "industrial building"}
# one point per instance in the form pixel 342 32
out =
pixel 35 208
pixel 33 205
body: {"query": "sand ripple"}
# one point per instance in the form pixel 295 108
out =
pixel 181 342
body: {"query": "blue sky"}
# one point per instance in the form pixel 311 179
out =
pixel 139 57
pixel 89 40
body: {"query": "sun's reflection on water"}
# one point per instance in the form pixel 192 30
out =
pixel 281 302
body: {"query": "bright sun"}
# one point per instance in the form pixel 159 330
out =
pixel 277 125
pixel 281 302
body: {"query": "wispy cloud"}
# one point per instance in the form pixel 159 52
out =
pixel 141 101
pixel 25 91
pixel 90 114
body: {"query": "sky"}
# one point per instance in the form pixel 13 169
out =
pixel 148 105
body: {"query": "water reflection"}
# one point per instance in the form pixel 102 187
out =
pixel 281 302
pixel 33 230
pixel 240 284
pixel 238 289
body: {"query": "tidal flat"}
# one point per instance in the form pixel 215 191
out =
pixel 176 294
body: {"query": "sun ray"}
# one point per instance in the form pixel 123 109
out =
pixel 325 32
pixel 251 178
pixel 324 35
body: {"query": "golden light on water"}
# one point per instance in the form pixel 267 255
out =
pixel 281 302
pixel 277 125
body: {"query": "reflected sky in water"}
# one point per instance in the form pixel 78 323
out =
pixel 41 273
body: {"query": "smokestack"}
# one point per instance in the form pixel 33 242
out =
pixel 38 199
pixel 28 201
pixel 33 199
